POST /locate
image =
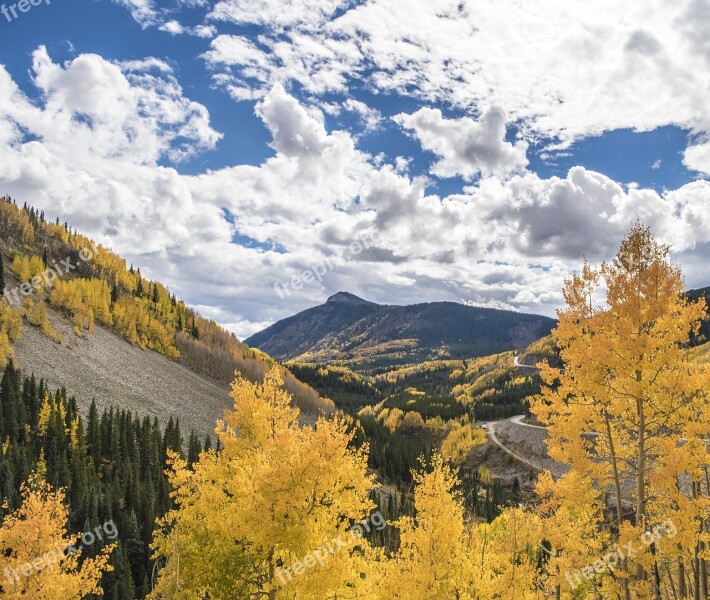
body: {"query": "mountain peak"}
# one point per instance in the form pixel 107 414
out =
pixel 347 297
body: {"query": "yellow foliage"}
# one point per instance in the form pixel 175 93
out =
pixel 57 232
pixel 86 299
pixel 10 329
pixel 6 351
pixel 441 556
pixel 274 494
pixel 412 420
pixel 21 267
pixel 27 267
pixel 392 419
pixel 628 376
pixel 432 559
pixel 17 220
pixel 32 545
pixel 133 322
pixel 10 321
pixel 507 552
pixel 460 441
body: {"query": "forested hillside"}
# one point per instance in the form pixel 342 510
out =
pixel 50 265
pixel 110 465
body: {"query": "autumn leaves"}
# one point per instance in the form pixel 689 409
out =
pixel 628 375
pixel 253 519
pixel 276 489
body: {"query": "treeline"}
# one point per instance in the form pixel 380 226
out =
pixel 102 288
pixel 111 468
pixel 349 391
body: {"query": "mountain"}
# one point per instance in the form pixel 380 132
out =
pixel 77 315
pixel 350 331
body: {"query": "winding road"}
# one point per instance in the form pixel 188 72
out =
pixel 490 428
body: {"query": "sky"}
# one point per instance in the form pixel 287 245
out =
pixel 258 156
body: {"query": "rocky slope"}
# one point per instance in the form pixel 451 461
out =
pixel 104 367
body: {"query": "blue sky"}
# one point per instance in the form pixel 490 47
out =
pixel 230 146
pixel 71 27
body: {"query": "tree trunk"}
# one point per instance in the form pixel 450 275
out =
pixel 681 579
pixel 617 492
pixel 641 468
pixel 272 586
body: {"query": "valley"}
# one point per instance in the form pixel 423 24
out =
pixel 412 385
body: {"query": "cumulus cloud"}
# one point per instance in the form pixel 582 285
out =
pixel 91 109
pixel 466 147
pixel 88 148
pixel 560 72
pixel 697 157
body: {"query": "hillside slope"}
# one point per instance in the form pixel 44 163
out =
pixel 106 368
pixel 350 331
pixel 78 316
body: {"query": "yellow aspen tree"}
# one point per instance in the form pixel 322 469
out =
pixel 504 556
pixel 34 562
pixel 630 416
pixel 10 321
pixel 460 441
pixel 7 353
pixel 21 267
pixel 270 514
pixel 432 561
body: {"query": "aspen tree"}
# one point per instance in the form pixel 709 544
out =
pixel 630 416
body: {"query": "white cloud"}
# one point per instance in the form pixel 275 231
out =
pixel 278 14
pixel 559 71
pixel 88 149
pixel 466 147
pixel 370 117
pixel 144 12
pixel 173 27
pixel 176 28
pixel 92 109
pixel 697 157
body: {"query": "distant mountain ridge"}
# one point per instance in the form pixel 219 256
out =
pixel 363 335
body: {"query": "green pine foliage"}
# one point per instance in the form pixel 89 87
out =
pixel 111 466
pixel 349 390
